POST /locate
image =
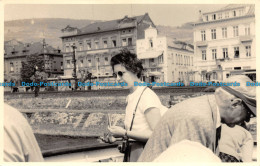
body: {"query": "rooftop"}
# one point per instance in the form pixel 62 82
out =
pixel 21 49
pixel 126 22
pixel 250 11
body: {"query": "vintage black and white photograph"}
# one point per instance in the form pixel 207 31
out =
pixel 130 82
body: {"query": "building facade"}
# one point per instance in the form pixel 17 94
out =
pixel 163 59
pixel 15 53
pixel 224 43
pixel 97 43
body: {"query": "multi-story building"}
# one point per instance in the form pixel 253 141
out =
pixel 164 59
pixel 97 43
pixel 224 43
pixel 15 53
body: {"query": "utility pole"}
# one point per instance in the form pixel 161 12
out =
pixel 74 64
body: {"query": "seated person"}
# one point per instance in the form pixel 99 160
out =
pixel 235 144
pixel 20 144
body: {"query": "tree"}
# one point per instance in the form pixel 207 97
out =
pixel 33 70
pixel 28 66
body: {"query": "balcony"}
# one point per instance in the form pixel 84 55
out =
pixel 244 39
pixel 202 44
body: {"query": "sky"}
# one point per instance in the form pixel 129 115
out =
pixel 161 14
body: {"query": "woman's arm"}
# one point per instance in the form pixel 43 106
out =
pixel 152 116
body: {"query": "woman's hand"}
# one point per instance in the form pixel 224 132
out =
pixel 117 131
pixel 108 139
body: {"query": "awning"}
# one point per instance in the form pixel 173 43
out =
pixel 236 72
pixel 149 55
pixel 250 72
pixel 155 73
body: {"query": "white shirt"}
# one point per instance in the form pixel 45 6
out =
pixel 148 100
pixel 237 142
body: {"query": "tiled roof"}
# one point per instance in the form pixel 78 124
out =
pixel 175 44
pixel 108 25
pixel 32 48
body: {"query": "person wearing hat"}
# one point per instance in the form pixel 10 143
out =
pixel 199 119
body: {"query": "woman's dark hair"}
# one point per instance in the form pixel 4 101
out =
pixel 129 61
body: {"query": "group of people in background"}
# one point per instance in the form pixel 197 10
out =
pixel 204 129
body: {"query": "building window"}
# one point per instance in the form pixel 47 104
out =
pixel 226 14
pixel 160 58
pixel 213 34
pixel 192 61
pixel 106 60
pixel 96 44
pixel 220 16
pixel 213 16
pixel 172 58
pixel 151 43
pixel 89 46
pixel 236 52
pixel 105 44
pixel 67 49
pixel 234 13
pixel 247 30
pixel 55 69
pixel 177 62
pixel 11 67
pixel 203 35
pixel 114 43
pixel 61 65
pixel 237 68
pixel 80 48
pixel 248 51
pixel 224 32
pixel 235 31
pixel 68 63
pixel 123 42
pixel 143 61
pixel 204 56
pixel 129 41
pixel 89 62
pixel 225 53
pixel 81 63
pixel 214 54
pixel 207 18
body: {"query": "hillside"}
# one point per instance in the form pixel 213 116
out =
pixel 29 30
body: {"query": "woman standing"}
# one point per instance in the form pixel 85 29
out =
pixel 144 108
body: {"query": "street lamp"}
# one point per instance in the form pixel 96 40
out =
pixel 74 64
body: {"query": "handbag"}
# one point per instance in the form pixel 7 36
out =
pixel 125 147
